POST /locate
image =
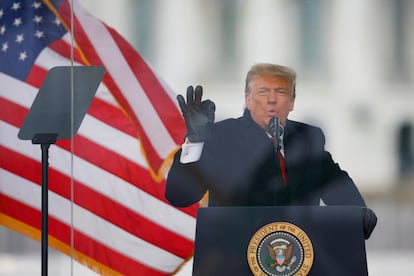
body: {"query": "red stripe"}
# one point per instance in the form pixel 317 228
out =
pixel 16 209
pixel 36 76
pixel 82 243
pixel 12 113
pixel 112 116
pixel 65 49
pixel 98 204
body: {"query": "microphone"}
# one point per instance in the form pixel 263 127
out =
pixel 276 130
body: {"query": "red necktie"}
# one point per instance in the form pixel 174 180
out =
pixel 283 168
pixel 282 164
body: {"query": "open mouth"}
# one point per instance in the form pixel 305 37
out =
pixel 271 113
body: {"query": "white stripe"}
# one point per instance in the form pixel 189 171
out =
pixel 16 91
pixel 112 139
pixel 86 222
pixel 49 58
pixel 104 94
pixel 105 183
pixel 67 38
pixel 120 71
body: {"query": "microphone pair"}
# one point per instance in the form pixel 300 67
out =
pixel 276 131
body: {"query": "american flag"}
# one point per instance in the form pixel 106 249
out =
pixel 114 208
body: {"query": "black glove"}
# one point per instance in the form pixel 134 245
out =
pixel 369 220
pixel 198 115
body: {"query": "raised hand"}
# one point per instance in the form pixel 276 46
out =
pixel 198 114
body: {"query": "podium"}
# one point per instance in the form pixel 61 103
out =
pixel 303 240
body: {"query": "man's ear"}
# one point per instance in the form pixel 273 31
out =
pixel 292 105
pixel 247 101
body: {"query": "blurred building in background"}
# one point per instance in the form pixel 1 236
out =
pixel 353 58
pixel 355 68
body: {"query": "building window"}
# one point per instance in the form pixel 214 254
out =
pixel 311 33
pixel 399 50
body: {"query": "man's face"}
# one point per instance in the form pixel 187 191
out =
pixel 269 96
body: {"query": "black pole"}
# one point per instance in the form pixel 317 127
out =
pixel 45 209
pixel 45 140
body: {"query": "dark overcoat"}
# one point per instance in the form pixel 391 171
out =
pixel 239 167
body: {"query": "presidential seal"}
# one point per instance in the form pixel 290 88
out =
pixel 280 249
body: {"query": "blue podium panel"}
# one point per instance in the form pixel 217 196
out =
pixel 280 241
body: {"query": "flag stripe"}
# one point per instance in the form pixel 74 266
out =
pixel 12 113
pixel 36 76
pixel 112 116
pixel 64 48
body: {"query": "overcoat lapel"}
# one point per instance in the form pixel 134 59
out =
pixel 256 139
